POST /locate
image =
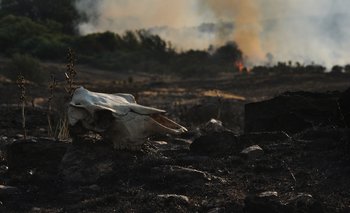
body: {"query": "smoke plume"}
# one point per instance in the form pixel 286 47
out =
pixel 298 30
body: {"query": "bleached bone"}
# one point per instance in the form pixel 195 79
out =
pixel 118 118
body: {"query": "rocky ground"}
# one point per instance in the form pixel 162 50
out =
pixel 285 154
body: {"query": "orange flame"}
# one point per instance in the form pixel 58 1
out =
pixel 239 65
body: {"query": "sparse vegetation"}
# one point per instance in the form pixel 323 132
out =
pixel 27 66
pixel 52 86
pixel 303 162
pixel 133 50
pixel 71 73
pixel 22 98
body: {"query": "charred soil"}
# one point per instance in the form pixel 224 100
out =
pixel 303 171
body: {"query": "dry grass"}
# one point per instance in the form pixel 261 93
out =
pixel 71 73
pixel 21 85
pixel 52 86
pixel 222 95
pixel 62 129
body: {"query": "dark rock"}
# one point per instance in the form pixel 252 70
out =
pixel 203 112
pixel 44 155
pixel 87 162
pixel 291 112
pixel 228 111
pixel 216 143
pixel 263 202
pixel 212 126
pixel 344 108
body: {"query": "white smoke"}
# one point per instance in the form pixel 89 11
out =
pixel 298 30
pixel 307 31
pixel 178 21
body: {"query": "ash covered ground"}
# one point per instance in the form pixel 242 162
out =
pixel 298 159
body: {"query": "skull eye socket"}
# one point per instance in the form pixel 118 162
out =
pixel 103 118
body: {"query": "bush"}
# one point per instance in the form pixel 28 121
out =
pixel 14 30
pixel 28 66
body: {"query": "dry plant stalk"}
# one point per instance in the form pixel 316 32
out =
pixel 21 85
pixel 71 73
pixel 290 172
pixel 52 86
pixel 341 114
pixel 62 128
pixel 220 102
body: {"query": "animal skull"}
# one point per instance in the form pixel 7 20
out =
pixel 118 118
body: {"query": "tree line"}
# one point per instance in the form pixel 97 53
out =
pixel 45 29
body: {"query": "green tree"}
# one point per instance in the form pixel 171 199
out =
pixel 22 35
pixel 347 68
pixel 14 30
pixel 336 69
pixel 151 42
pixel 130 40
pixel 228 53
pixel 61 11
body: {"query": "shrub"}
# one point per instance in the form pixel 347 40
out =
pixel 14 30
pixel 28 66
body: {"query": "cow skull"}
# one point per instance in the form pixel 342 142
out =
pixel 118 118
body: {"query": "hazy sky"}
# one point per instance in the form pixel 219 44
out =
pixel 303 30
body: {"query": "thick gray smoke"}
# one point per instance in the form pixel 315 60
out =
pixel 177 21
pixel 307 31
pixel 298 30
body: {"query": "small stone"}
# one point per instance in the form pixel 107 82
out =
pixel 94 187
pixel 6 191
pixel 160 142
pixel 303 202
pixel 212 126
pixel 253 152
pixel 263 202
pixel 301 196
pixel 182 198
pixel 180 141
pixel 36 209
pixel 268 194
pixel 215 210
pixel 4 168
pixel 19 136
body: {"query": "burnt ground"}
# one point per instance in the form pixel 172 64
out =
pixel 305 171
